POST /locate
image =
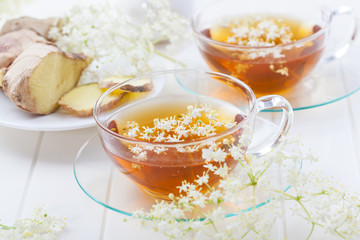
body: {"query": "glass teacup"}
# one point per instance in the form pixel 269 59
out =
pixel 217 109
pixel 276 62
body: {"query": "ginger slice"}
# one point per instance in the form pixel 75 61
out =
pixel 141 85
pixel 40 75
pixel 81 100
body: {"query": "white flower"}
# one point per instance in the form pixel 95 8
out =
pixel 172 139
pixel 159 150
pixel 222 171
pixel 201 131
pixel 137 149
pixel 207 154
pixel 236 152
pixel 219 155
pixel 118 46
pixel 145 136
pixel 201 202
pixel 181 131
pixel 185 187
pixel 164 125
pixel 141 156
pixel 148 147
pixel 40 226
pixel 211 167
pixel 310 155
pixel 132 133
pixel 215 196
pixel 192 149
pixel 186 120
pixel 195 113
pixel 202 179
pixel 245 139
pixel 218 213
pixel 160 137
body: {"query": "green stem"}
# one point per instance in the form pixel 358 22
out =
pixel 254 230
pixel 245 186
pixel 285 194
pixel 169 58
pixel 254 196
pixel 263 171
pixel 242 164
pixel 305 210
pixel 210 188
pixel 244 235
pixel 297 199
pixel 338 233
pixel 6 227
pixel 311 231
pixel 213 224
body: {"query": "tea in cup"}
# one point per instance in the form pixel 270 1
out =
pixel 269 45
pixel 188 122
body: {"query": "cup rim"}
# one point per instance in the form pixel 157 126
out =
pixel 248 90
pixel 199 35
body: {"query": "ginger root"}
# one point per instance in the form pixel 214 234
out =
pixel 13 43
pixel 39 26
pixel 81 100
pixel 40 75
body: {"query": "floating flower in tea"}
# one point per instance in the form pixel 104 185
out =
pixel 266 52
pixel 169 165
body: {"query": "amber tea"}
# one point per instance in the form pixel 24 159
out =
pixel 166 150
pixel 254 57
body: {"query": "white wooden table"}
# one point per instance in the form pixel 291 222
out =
pixel 37 168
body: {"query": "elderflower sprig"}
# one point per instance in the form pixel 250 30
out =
pixel 320 201
pixel 251 185
pixel 40 226
pixel 117 45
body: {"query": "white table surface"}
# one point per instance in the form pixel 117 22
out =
pixel 37 168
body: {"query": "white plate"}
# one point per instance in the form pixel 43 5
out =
pixel 11 116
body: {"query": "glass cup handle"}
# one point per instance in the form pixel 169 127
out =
pixel 267 102
pixel 341 50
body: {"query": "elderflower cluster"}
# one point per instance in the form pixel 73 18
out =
pixel 197 123
pixel 162 24
pixel 40 226
pixel 260 32
pixel 255 199
pixel 326 203
pixel 117 46
pixel 261 36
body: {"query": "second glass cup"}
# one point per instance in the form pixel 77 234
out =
pixel 270 45
pixel 185 121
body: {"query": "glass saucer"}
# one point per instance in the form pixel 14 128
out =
pixel 99 179
pixel 329 82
